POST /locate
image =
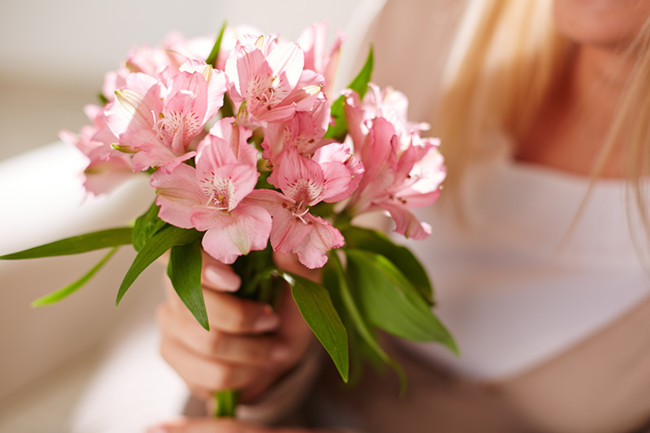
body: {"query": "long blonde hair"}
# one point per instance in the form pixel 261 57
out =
pixel 511 59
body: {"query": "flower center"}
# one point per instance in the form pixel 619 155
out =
pixel 220 191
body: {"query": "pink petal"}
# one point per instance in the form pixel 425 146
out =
pixel 178 195
pixel 298 177
pixel 287 62
pixel 406 223
pixel 288 231
pixel 246 229
pixel 232 143
pixel 134 106
pixel 342 171
pixel 312 251
pixel 272 201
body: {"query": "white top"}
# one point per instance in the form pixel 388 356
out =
pixel 509 287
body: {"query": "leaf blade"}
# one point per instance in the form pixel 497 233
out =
pixel 360 85
pixel 162 241
pixel 402 257
pixel 76 244
pixel 60 294
pixel 184 271
pixel 341 288
pixel 391 303
pixel 214 53
pixel 147 225
pixel 317 309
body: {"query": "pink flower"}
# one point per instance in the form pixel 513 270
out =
pixel 296 231
pixel 400 174
pixel 312 41
pixel 305 182
pixel 341 169
pixel 304 131
pixel 158 120
pixel 388 103
pixel 212 196
pixel 174 52
pixel 267 81
pixel 107 168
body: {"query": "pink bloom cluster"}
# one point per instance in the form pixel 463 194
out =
pixel 166 112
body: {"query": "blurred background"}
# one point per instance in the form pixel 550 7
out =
pixel 54 56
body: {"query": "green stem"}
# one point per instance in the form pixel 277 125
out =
pixel 226 403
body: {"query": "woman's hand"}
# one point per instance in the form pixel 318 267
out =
pixel 223 425
pixel 249 345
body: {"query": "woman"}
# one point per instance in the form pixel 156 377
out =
pixel 538 256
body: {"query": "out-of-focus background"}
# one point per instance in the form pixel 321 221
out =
pixel 53 58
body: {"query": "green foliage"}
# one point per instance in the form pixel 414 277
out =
pixel 335 280
pixel 184 271
pixel 389 301
pixel 76 244
pixel 214 54
pixel 317 309
pixel 400 256
pixel 146 225
pixel 71 288
pixel 166 238
pixel 339 130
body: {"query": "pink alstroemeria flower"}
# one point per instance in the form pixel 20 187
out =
pixel 107 168
pixel 267 81
pixel 304 131
pixel 398 177
pixel 212 196
pixel 304 182
pixel 387 103
pixel 158 120
pixel 312 41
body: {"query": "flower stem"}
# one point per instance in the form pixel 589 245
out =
pixel 225 403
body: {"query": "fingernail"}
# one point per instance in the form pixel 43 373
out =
pixel 221 278
pixel 158 429
pixel 267 320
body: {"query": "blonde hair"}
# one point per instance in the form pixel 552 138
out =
pixel 511 59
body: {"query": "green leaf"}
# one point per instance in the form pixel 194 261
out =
pixel 76 244
pixel 184 271
pixel 162 241
pixel 359 85
pixel 71 288
pixel 400 256
pixel 316 307
pixel 146 226
pixel 214 54
pixel 390 302
pixel 337 284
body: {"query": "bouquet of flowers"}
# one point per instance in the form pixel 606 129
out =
pixel 250 153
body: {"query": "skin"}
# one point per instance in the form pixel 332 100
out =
pixel 251 347
pixel 575 120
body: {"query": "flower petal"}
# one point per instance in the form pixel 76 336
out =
pixel 312 251
pixel 246 229
pixel 406 223
pixel 178 195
